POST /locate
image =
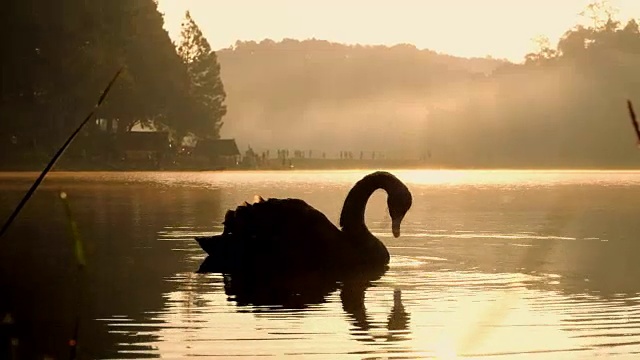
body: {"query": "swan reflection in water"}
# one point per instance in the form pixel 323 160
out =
pixel 300 291
pixel 397 322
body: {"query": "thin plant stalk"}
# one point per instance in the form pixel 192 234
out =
pixel 78 247
pixel 634 121
pixel 81 261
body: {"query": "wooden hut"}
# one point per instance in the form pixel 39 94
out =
pixel 218 152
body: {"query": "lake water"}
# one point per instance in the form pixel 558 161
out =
pixel 490 265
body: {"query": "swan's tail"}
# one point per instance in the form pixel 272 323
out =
pixel 211 244
pixel 220 253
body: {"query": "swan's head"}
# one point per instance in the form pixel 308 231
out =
pixel 399 202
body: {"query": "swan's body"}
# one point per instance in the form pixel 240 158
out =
pixel 290 235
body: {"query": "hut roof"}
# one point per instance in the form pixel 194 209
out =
pixel 217 147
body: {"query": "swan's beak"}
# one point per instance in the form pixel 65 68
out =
pixel 395 227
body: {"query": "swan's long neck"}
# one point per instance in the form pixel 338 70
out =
pixel 352 216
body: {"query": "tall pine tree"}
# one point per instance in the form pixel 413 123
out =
pixel 204 71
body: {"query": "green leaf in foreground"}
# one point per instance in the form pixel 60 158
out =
pixel 75 233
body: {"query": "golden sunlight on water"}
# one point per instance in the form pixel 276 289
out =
pixel 490 264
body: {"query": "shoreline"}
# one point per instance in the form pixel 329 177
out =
pixel 314 164
pixel 345 167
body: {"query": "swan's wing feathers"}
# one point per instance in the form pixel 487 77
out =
pixel 280 233
pixel 280 222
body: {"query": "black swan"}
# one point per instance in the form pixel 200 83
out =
pixel 284 235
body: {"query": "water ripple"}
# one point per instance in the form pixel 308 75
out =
pixel 490 265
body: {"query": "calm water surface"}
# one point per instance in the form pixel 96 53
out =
pixel 490 265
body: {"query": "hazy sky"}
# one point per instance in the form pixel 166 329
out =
pixel 501 28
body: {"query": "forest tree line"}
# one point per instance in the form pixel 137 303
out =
pixel 564 107
pixel 60 56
